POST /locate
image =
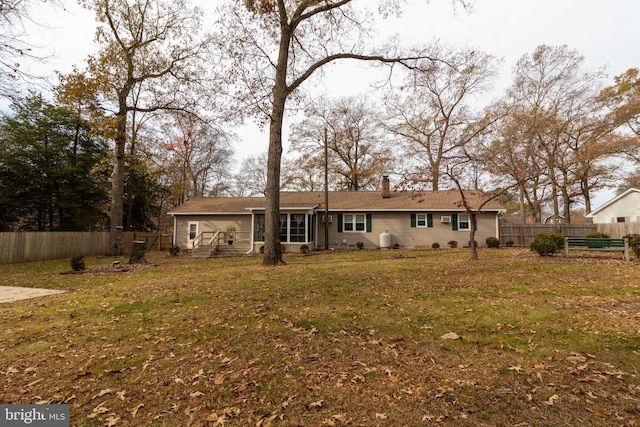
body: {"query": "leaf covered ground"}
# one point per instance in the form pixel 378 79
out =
pixel 358 338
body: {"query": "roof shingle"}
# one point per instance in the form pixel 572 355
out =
pixel 342 201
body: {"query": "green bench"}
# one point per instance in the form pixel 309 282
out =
pixel 596 244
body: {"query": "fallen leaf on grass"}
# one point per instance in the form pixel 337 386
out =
pixel 576 358
pixel 518 368
pixel 135 410
pixel 112 420
pixel 597 412
pixel 285 404
pixel 317 405
pixel 341 418
pixel 267 421
pixel 103 392
pixel 100 409
pixel 381 416
pixel 552 400
pixel 196 394
pixel 451 336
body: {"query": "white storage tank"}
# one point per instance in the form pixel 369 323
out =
pixel 385 239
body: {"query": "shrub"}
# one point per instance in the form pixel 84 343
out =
pixel 304 249
pixel 547 243
pixel 77 263
pixel 452 244
pixel 597 235
pixel 509 243
pixel 360 245
pixel 435 245
pixel 475 243
pixel 395 246
pixel 635 246
pixel 174 250
pixel 261 250
pixel 492 242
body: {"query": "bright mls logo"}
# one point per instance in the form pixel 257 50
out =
pixel 34 415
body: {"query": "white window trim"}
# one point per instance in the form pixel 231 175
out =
pixel 460 221
pixel 354 222
pixel 426 221
pixel 308 219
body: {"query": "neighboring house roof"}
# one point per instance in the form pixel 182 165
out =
pixel 356 201
pixel 612 202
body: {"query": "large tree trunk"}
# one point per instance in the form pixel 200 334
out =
pixel 566 200
pixel 116 245
pixel 272 249
pixel 585 189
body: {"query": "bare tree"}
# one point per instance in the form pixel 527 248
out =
pixel 554 96
pixel 304 173
pixel 15 46
pixel 358 153
pixel 251 179
pixel 433 116
pixel 192 157
pixel 273 47
pixel 151 48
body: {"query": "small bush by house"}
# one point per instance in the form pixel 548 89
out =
pixel 492 242
pixel 597 235
pixel 547 243
pixel 77 263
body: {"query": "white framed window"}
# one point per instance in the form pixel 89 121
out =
pixel 463 222
pixel 298 228
pixel 356 223
pixel 293 227
pixel 421 220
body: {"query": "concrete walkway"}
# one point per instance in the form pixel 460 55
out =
pixel 14 293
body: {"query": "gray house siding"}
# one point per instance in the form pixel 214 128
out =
pixel 207 223
pixel 399 226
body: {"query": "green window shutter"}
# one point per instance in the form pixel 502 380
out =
pixel 413 220
pixel 339 223
pixel 429 220
pixel 369 224
pixel 454 222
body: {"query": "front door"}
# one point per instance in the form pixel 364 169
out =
pixel 193 234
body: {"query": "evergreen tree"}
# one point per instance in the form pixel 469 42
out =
pixel 50 174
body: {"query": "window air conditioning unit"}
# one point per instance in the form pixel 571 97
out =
pixel 445 218
pixel 329 218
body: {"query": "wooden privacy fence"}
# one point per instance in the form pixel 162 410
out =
pixel 620 229
pixel 43 246
pixel 522 234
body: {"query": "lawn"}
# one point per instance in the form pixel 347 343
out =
pixel 359 338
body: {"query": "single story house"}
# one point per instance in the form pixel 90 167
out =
pixel 373 219
pixel 620 209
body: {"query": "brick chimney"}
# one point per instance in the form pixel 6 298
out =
pixel 386 189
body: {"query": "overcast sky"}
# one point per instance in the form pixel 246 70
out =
pixel 606 33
